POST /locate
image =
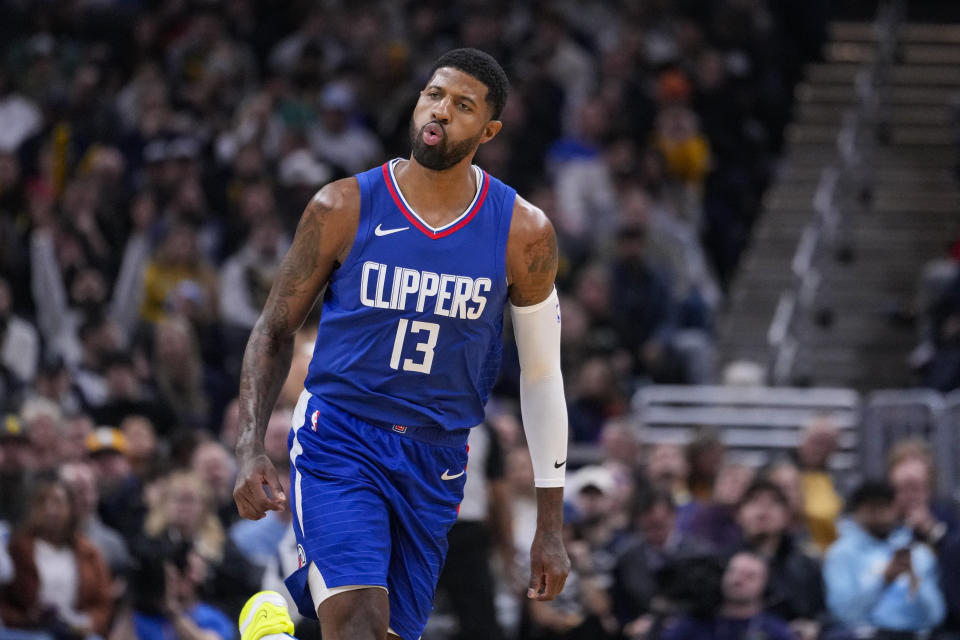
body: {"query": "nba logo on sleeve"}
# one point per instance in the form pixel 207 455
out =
pixel 301 556
pixel 313 419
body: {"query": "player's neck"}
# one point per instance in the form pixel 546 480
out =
pixel 437 196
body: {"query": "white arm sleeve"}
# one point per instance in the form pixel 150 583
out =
pixel 542 405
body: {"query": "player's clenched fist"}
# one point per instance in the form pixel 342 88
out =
pixel 258 487
pixel 549 565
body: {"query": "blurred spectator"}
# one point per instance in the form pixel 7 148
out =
pixel 179 280
pixel 741 614
pixel 179 373
pixel 16 469
pixel 143 449
pixel 795 585
pixel 218 469
pixel 80 480
pixel 121 492
pixel 786 475
pixel 714 522
pixel 55 382
pixel 878 582
pixel 337 138
pixel 673 244
pixel 246 276
pixel 184 511
pixel 19 347
pixel 668 470
pixel 941 370
pixel 164 598
pixel 6 562
pixel 100 338
pixel 21 116
pixel 126 394
pixel 822 503
pixel 65 306
pixel 42 421
pixel 73 441
pixel 646 313
pixel 705 455
pixel 61 583
pixel 594 398
pixel 245 280
pixel 592 491
pixel 677 136
pixel 620 443
pixel 640 572
pixel 911 473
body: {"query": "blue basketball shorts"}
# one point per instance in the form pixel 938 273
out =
pixel 371 507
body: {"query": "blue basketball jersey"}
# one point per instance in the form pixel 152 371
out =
pixel 410 331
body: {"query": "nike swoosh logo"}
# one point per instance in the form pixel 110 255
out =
pixel 557 465
pixel 446 475
pixel 385 232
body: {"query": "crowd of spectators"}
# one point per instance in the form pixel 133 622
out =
pixel 154 158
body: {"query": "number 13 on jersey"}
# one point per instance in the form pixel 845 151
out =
pixel 432 329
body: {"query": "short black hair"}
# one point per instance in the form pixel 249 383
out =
pixel 764 486
pixel 648 499
pixel 483 67
pixel 872 493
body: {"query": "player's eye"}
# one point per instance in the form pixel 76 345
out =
pixel 464 106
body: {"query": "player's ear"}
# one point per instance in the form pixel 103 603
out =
pixel 491 129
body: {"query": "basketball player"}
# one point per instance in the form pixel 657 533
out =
pixel 415 261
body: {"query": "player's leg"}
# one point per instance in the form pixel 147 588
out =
pixel 342 523
pixel 424 494
pixel 358 614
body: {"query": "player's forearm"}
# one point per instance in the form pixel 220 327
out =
pixel 549 509
pixel 266 362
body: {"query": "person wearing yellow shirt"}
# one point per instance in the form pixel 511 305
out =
pixel 821 502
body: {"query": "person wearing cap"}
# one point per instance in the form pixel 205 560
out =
pixel 121 492
pixel 16 467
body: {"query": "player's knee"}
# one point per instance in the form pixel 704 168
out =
pixel 356 615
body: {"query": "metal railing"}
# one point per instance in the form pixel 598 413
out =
pixel 844 183
pixel 761 424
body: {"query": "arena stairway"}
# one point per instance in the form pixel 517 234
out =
pixel 859 330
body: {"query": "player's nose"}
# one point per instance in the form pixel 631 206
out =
pixel 441 111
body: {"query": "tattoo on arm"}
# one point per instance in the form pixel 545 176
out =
pixel 269 351
pixel 540 259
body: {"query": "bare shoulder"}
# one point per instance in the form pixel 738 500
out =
pixel 531 255
pixel 332 216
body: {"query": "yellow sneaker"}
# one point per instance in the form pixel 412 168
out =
pixel 265 613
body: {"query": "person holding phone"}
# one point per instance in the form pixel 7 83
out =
pixel 879 583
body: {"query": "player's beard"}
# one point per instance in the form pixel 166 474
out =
pixel 440 156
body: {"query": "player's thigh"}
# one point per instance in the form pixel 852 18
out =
pixel 363 612
pixel 343 529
